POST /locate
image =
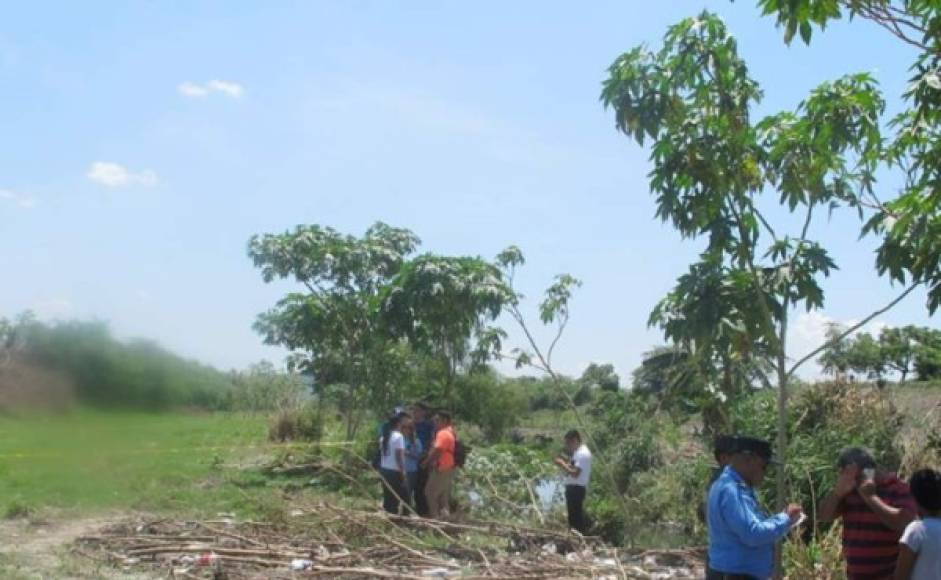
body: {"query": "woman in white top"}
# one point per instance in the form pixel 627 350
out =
pixel 392 465
pixel 920 550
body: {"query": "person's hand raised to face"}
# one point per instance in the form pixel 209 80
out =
pixel 848 480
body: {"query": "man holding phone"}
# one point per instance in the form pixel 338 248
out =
pixel 577 473
pixel 875 506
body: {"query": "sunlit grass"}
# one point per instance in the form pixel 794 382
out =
pixel 87 460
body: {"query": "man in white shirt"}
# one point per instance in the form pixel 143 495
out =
pixel 577 473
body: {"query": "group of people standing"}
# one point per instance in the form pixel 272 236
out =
pixel 417 461
pixel 891 529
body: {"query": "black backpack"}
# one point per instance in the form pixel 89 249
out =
pixel 461 452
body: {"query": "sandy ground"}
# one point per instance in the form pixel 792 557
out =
pixel 42 548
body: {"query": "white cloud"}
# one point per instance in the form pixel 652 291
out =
pixel 809 331
pixel 227 87
pixel 196 90
pixel 189 89
pixel 19 200
pixel 115 175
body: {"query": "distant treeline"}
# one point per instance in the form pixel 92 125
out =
pixel 107 372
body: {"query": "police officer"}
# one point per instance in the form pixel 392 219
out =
pixel 723 447
pixel 741 534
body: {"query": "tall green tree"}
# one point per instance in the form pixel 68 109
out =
pixel 897 349
pixel 835 358
pixel 928 353
pixel 866 357
pixel 333 326
pixel 600 376
pixel 714 166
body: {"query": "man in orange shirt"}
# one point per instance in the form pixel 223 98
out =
pixel 440 465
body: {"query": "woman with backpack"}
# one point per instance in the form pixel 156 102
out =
pixel 392 465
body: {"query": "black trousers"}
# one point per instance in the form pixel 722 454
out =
pixel 716 575
pixel 575 505
pixel 393 488
pixel 421 503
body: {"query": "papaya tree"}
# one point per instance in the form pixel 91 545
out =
pixel 908 221
pixel 717 168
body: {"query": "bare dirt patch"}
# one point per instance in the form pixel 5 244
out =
pixel 44 547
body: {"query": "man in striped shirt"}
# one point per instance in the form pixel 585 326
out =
pixel 875 506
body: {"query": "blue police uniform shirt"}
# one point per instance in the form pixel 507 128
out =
pixel 741 534
pixel 425 431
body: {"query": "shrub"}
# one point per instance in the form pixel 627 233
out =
pixel 490 402
pixel 300 423
pixel 822 419
pixel 630 434
pixel 262 388
pixel 504 477
pixel 608 518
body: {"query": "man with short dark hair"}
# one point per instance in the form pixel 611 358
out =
pixel 577 473
pixel 722 449
pixel 440 464
pixel 741 534
pixel 875 506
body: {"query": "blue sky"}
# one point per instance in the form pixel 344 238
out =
pixel 144 142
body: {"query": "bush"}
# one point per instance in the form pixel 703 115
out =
pixel 665 478
pixel 504 478
pixel 300 423
pixel 630 435
pixel 608 518
pixel 822 420
pixel 490 402
pixel 262 388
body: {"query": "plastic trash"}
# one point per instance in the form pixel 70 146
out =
pixel 300 564
pixel 207 559
pixel 438 573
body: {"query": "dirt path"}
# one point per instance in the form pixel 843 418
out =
pixel 41 548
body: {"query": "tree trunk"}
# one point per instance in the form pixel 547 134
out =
pixel 781 444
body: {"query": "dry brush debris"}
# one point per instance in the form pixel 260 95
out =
pixel 329 541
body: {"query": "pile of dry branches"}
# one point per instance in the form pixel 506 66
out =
pixel 329 541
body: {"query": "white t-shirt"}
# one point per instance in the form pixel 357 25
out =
pixel 396 442
pixel 582 460
pixel 924 538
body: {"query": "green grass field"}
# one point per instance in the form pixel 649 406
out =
pixel 89 461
